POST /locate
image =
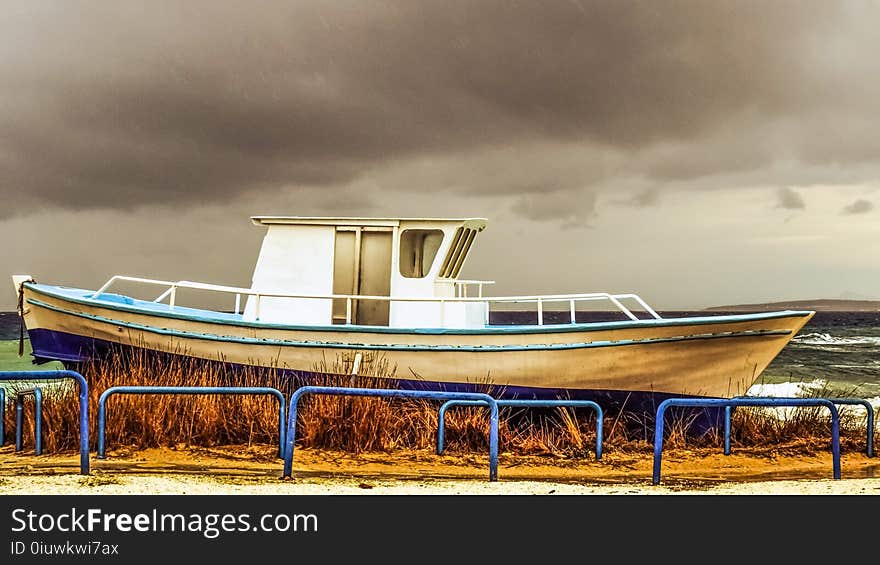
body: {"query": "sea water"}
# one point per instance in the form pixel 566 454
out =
pixel 836 353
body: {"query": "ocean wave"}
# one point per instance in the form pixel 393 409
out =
pixel 787 390
pixel 869 365
pixel 798 390
pixel 828 339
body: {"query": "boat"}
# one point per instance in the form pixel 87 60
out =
pixel 359 288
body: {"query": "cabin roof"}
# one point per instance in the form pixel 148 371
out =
pixel 475 223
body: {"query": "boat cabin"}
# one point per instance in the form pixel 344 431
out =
pixel 367 271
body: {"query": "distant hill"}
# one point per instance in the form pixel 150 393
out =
pixel 824 305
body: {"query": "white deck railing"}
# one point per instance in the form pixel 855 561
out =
pixel 460 286
pixel 539 300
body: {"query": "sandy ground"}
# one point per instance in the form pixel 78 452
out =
pixel 256 470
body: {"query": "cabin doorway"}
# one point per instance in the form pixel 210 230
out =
pixel 362 266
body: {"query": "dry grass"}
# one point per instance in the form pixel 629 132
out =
pixel 154 421
pixel 373 424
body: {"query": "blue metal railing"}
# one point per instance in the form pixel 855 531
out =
pixel 869 421
pixel 521 403
pixel 38 418
pixel 188 390
pixel 744 401
pixel 83 386
pixel 2 416
pixel 392 393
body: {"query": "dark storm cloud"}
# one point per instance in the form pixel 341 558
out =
pixel 860 206
pixel 789 199
pixel 117 105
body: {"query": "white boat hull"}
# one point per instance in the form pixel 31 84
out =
pixel 719 356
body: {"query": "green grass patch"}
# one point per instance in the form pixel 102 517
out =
pixel 10 361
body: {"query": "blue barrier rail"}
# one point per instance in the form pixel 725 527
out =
pixel 392 393
pixel 521 403
pixel 38 418
pixel 31 376
pixel 2 416
pixel 744 401
pixel 869 421
pixel 188 390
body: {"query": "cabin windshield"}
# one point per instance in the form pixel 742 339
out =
pixel 418 248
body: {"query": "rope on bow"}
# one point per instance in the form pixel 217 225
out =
pixel 21 316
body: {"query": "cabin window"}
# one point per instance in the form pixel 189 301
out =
pixel 418 248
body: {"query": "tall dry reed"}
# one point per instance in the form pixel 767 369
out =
pixel 364 424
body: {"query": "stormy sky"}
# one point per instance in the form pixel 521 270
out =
pixel 695 152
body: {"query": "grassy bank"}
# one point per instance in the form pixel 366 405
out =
pixel 10 361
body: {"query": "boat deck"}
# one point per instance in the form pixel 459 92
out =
pixel 130 304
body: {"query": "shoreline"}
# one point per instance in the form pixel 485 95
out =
pixel 255 470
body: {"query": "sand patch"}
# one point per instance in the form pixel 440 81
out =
pixel 257 470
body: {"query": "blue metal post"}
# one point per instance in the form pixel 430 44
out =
pixel 744 401
pixel 282 429
pixel 102 404
pixel 38 418
pixel 38 421
pixel 441 419
pixel 2 416
pixel 83 403
pixel 392 393
pixel 869 421
pixel 19 421
pixel 727 411
pixel 521 403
